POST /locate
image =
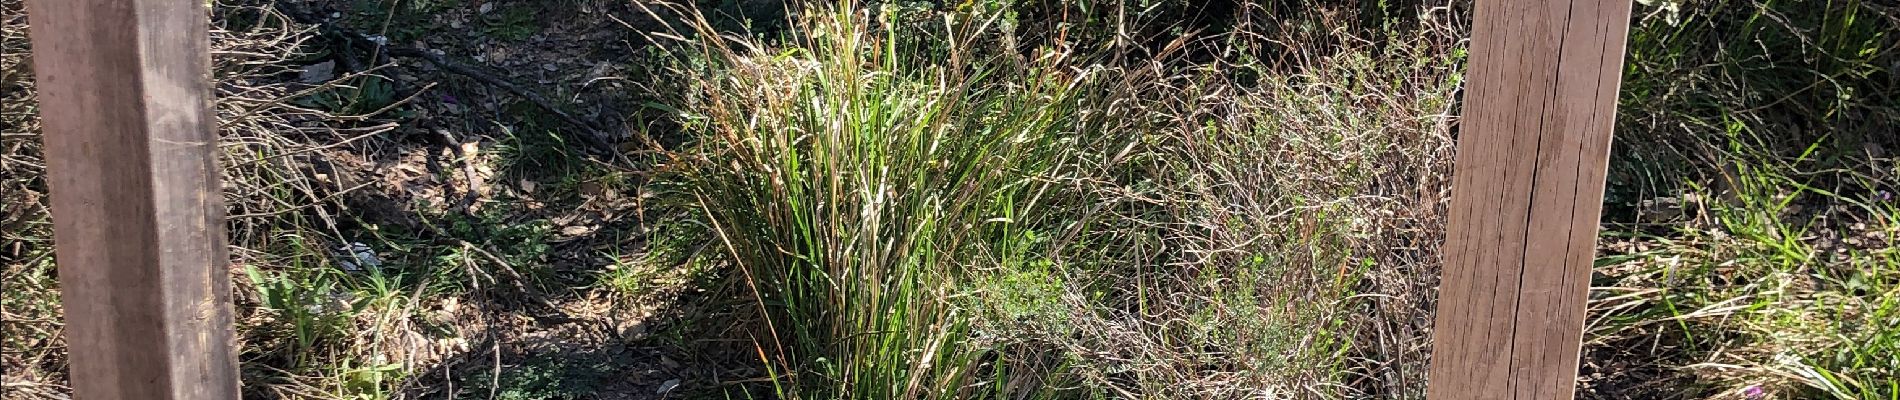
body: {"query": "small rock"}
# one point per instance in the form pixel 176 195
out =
pixel 486 7
pixel 634 331
pixel 550 67
pixel 668 386
pixel 357 256
pixel 577 230
pixel 318 73
pixel 592 189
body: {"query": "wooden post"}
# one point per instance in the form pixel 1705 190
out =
pixel 1532 151
pixel 137 213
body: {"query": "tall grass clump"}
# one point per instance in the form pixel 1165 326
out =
pixel 856 182
pixel 926 207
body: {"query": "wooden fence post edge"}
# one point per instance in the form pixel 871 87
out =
pixel 1533 149
pixel 138 218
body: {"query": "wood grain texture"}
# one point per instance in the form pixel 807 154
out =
pixel 138 221
pixel 1533 148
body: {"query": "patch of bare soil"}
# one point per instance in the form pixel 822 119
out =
pixel 465 143
pixel 1630 369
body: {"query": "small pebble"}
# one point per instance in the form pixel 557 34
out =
pixel 317 73
pixel 668 386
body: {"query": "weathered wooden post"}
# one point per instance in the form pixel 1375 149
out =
pixel 1532 151
pixel 137 214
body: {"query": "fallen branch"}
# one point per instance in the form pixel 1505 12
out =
pixel 593 137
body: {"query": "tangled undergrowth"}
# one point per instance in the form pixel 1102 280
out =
pixel 1751 245
pixel 991 199
pixel 373 239
pixel 919 212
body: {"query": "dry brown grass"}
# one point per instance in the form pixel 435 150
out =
pixel 274 154
pixel 1239 228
